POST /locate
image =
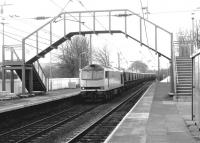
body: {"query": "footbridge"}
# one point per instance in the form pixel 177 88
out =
pixel 67 24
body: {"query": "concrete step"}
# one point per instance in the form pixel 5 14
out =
pixel 184 70
pixel 184 82
pixel 183 58
pixel 184 66
pixel 184 85
pixel 190 60
pixel 184 94
pixel 184 88
pixel 182 79
pixel 187 69
pixel 184 91
pixel 184 75
pixel 183 63
pixel 181 73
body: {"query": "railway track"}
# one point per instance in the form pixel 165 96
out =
pixel 99 130
pixel 18 118
pixel 96 125
pixel 82 123
pixel 27 132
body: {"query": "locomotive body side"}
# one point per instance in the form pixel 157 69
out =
pixel 98 81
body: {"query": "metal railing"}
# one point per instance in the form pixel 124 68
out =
pixel 11 53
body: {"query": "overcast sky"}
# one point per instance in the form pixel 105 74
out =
pixel 173 15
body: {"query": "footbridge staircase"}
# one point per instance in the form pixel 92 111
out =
pixel 184 77
pixel 59 31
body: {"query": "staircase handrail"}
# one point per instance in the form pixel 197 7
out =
pixel 13 50
pixel 43 77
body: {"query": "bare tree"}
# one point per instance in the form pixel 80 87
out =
pixel 138 66
pixel 74 56
pixel 101 56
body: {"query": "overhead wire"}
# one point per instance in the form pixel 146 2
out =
pixel 81 3
pixel 45 31
pixel 20 30
pixel 20 41
pixel 63 9
pixel 29 38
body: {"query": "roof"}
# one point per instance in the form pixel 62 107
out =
pixel 97 67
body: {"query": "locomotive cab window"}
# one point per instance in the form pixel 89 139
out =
pixel 122 78
pixel 92 75
pixel 106 74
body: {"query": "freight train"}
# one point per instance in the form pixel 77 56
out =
pixel 103 83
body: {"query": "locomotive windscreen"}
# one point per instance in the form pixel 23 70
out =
pixel 92 72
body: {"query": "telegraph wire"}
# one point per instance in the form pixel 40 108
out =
pixel 81 3
pixel 25 43
pixel 17 29
pixel 23 36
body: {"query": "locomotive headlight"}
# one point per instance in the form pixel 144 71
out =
pixel 82 88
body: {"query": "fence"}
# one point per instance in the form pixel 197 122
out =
pixel 61 83
pixel 54 84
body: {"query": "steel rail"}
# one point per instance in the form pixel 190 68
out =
pixel 34 129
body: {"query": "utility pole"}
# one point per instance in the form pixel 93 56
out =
pixel 146 11
pixel 90 48
pixel 3 50
pixel 118 55
pixel 192 50
pixel 3 59
pixel 50 70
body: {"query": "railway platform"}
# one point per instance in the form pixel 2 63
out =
pixel 156 118
pixel 9 105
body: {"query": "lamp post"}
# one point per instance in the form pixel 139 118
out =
pixel 192 50
pixel 3 58
pixel 3 50
pixel 80 61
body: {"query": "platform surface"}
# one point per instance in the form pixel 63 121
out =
pixel 154 119
pixel 9 105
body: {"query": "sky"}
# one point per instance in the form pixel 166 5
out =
pixel 173 15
